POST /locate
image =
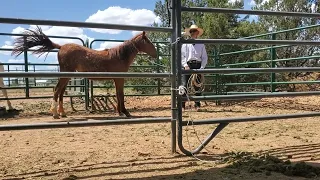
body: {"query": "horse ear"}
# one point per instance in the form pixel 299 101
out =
pixel 143 33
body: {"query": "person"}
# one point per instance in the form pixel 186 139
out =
pixel 194 56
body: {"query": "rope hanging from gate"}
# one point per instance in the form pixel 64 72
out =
pixel 195 80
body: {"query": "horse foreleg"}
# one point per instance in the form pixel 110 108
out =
pixel 5 94
pixel 119 83
pixel 61 109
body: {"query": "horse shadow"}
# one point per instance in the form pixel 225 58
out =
pixel 11 113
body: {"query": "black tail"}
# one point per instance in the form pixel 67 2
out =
pixel 33 38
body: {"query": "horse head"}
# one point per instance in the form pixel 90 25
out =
pixel 144 44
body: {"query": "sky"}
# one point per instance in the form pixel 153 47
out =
pixel 139 12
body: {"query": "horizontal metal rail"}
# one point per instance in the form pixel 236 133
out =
pixel 109 40
pixel 276 60
pixel 48 64
pixel 249 70
pixel 41 87
pixel 268 83
pixel 107 95
pixel 82 24
pixel 250 96
pixel 253 50
pixel 252 118
pixel 31 50
pixel 31 64
pixel 282 31
pixel 249 41
pixel 85 74
pixel 251 12
pixel 59 37
pixel 38 97
pixel 72 124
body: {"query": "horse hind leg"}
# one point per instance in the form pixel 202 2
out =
pixel 54 104
pixel 119 83
pixel 61 109
pixel 5 94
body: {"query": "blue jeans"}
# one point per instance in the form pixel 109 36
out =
pixel 185 79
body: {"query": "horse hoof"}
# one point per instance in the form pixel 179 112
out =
pixel 129 115
pixel 56 117
pixel 63 115
pixel 122 115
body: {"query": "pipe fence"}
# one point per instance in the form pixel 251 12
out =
pixel 176 6
pixel 87 74
pixel 175 74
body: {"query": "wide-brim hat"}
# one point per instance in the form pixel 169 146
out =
pixel 187 30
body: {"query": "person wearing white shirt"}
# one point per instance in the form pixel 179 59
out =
pixel 193 56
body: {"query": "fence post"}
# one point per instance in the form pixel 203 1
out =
pixel 9 80
pixel 158 69
pixel 273 64
pixel 26 65
pixel 35 79
pixel 217 76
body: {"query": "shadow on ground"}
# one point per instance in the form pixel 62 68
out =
pixel 11 114
pixel 233 165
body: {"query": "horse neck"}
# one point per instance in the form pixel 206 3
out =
pixel 132 46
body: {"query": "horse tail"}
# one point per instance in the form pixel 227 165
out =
pixel 34 38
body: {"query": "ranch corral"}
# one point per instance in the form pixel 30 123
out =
pixel 142 151
pixel 248 147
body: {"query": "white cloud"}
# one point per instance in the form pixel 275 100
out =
pixel 59 31
pixel 6 46
pixel 108 45
pixel 135 32
pixel 17 30
pixel 52 31
pixel 252 3
pixel 119 15
pixel 15 67
pixel 9 43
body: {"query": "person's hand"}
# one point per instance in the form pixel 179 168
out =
pixel 186 68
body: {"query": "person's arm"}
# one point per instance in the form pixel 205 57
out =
pixel 204 57
pixel 184 55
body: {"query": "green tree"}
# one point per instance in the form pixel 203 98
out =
pixel 277 23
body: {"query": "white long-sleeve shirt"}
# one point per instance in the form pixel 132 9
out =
pixel 194 52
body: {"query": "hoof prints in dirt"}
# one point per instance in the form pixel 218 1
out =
pixel 254 163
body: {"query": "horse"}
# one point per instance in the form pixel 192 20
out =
pixel 4 91
pixel 73 57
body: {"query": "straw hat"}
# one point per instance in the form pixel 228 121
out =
pixel 187 30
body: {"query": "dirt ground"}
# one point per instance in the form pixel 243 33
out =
pixel 144 151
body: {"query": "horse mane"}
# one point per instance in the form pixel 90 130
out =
pixel 124 50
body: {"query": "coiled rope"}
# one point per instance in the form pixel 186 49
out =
pixel 195 80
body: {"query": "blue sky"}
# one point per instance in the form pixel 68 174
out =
pixel 108 11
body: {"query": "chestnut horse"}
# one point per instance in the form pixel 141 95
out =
pixel 73 57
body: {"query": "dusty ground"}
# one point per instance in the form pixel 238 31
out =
pixel 143 151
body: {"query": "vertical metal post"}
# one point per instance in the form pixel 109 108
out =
pixel 26 66
pixel 273 64
pixel 9 81
pixel 158 69
pixel 179 74
pixel 217 76
pixel 86 85
pixel 91 93
pixel 174 109
pixel 35 79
